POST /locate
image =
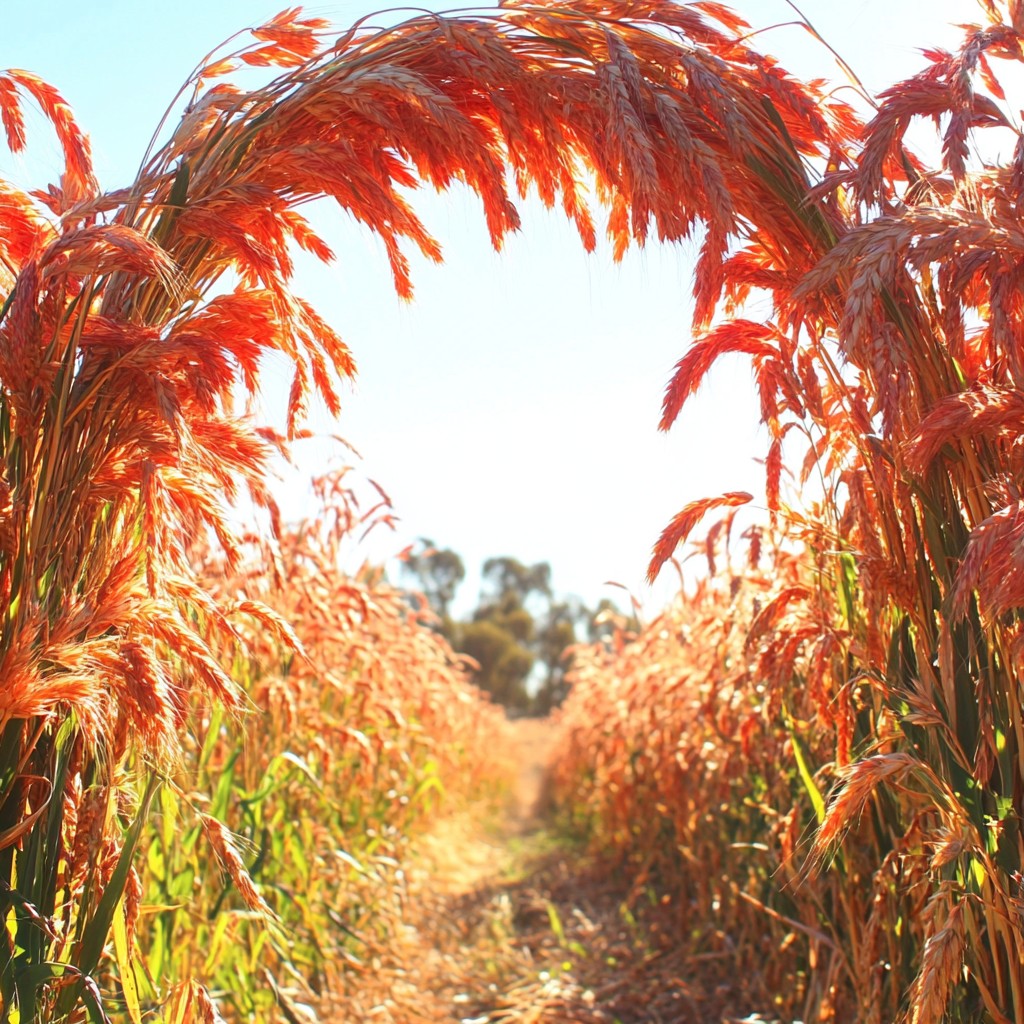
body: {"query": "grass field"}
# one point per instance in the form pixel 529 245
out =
pixel 218 749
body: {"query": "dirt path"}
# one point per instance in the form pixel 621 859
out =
pixel 506 924
pixel 463 852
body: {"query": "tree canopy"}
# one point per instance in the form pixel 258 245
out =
pixel 520 634
pixel 438 571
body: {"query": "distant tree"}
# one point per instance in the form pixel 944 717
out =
pixel 510 578
pixel 519 633
pixel 504 662
pixel 518 598
pixel 555 635
pixel 502 635
pixel 438 573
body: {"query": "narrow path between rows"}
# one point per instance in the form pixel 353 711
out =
pixel 506 922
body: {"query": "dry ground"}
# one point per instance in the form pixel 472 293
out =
pixel 505 923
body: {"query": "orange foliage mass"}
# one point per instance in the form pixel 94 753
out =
pixel 133 321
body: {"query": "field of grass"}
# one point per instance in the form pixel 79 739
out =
pixel 216 747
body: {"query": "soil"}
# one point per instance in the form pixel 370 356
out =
pixel 506 922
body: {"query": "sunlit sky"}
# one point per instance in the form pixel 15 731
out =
pixel 512 408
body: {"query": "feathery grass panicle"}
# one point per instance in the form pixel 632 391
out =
pixel 941 963
pixel 224 848
pixel 683 524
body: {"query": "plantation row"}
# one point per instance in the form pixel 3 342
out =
pixel 215 745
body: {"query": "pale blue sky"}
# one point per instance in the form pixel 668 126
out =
pixel 512 408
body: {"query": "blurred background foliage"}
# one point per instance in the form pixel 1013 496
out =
pixel 520 635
